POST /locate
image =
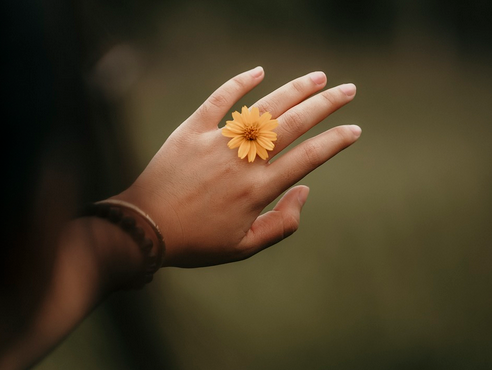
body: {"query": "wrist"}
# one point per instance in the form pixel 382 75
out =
pixel 141 241
pixel 163 215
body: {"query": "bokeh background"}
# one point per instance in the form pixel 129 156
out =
pixel 392 265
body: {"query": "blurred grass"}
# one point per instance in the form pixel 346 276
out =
pixel 391 267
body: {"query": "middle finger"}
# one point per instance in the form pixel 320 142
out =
pixel 290 94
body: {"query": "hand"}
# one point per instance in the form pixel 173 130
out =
pixel 207 201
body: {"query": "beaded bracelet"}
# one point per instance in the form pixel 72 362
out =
pixel 123 214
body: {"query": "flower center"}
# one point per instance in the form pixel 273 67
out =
pixel 251 133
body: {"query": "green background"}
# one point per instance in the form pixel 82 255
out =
pixel 392 265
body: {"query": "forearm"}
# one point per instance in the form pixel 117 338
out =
pixel 94 257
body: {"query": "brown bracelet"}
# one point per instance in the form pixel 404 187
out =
pixel 125 215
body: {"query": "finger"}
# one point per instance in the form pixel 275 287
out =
pixel 211 112
pixel 290 94
pixel 275 225
pixel 299 119
pixel 304 158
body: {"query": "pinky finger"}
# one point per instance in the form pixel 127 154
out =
pixel 310 154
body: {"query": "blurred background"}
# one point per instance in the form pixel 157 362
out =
pixel 392 265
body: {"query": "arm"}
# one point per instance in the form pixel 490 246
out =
pixel 206 201
pixel 94 258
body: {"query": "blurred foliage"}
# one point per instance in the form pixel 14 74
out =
pixel 391 268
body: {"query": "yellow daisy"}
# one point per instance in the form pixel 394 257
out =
pixel 251 133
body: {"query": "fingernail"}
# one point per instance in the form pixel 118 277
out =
pixel 356 130
pixel 302 196
pixel 348 89
pixel 319 78
pixel 256 72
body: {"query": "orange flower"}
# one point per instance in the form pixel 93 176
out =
pixel 251 133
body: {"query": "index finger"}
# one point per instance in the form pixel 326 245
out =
pixel 211 112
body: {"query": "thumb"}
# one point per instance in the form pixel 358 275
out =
pixel 277 224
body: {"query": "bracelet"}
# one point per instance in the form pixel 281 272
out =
pixel 123 214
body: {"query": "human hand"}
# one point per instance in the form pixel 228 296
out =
pixel 207 201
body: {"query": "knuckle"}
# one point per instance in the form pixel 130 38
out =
pixel 312 152
pixel 221 98
pixel 342 135
pixel 230 170
pixel 270 106
pixel 290 225
pixel 298 86
pixel 243 251
pixel 218 100
pixel 239 83
pixel 203 110
pixel 250 191
pixel 293 122
pixel 329 98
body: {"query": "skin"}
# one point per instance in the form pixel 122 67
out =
pixel 206 201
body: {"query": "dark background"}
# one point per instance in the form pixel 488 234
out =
pixel 392 265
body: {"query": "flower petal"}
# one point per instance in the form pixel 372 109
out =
pixel 235 142
pixel 244 149
pixel 252 151
pixel 237 117
pixel 228 133
pixel 234 127
pixel 272 136
pixel 269 125
pixel 265 143
pixel 254 114
pixel 265 117
pixel 261 151
pixel 245 115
